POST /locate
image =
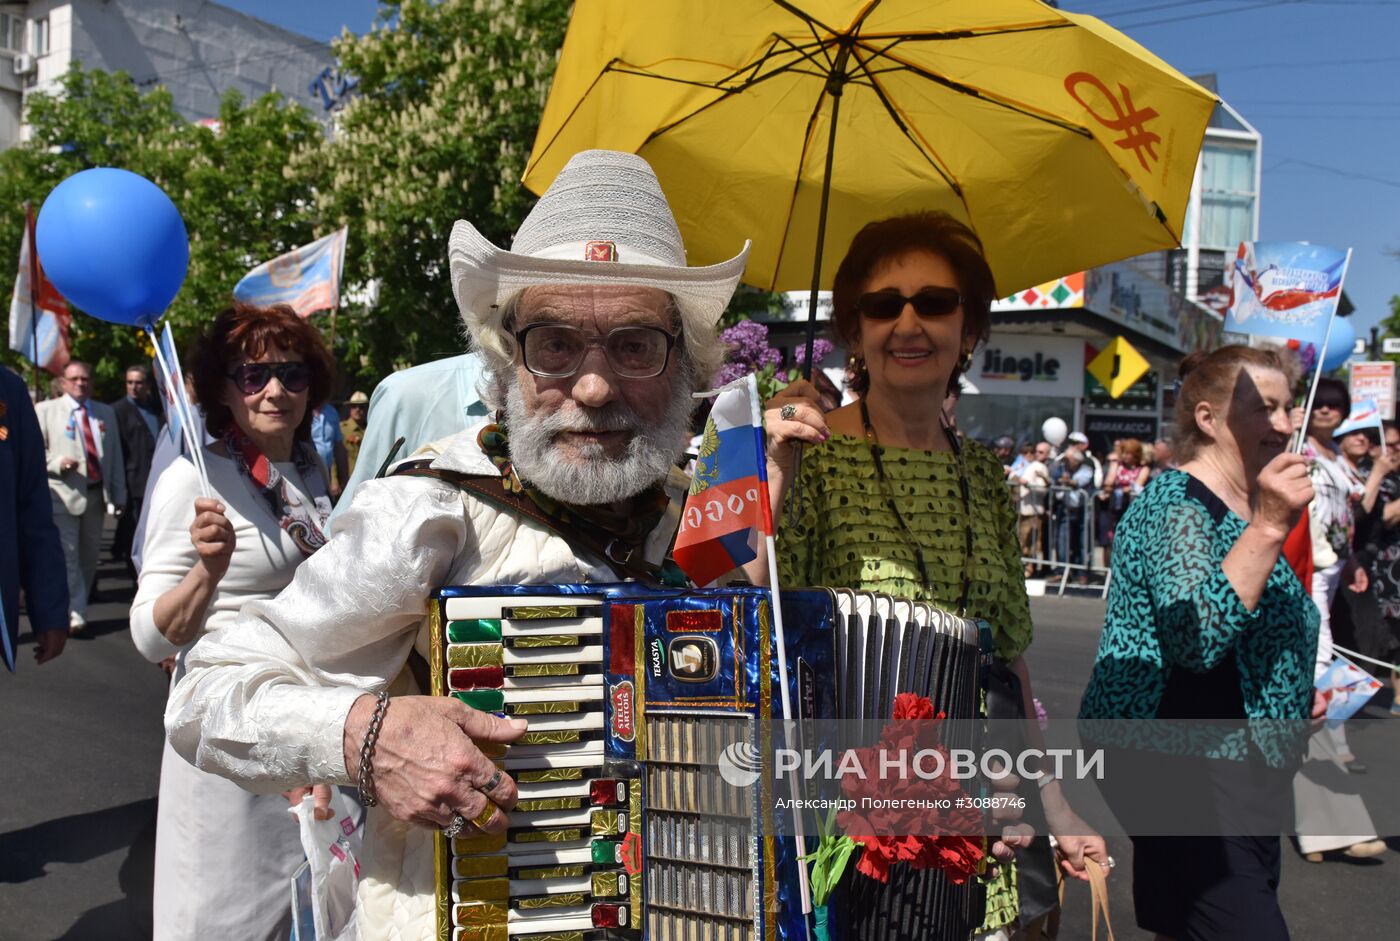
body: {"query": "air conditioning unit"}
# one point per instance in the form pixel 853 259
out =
pixel 25 64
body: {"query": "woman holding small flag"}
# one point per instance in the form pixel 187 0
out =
pixel 1209 629
pixel 224 856
pixel 888 497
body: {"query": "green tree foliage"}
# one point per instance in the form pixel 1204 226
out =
pixel 1390 327
pixel 239 201
pixel 449 95
pixel 439 128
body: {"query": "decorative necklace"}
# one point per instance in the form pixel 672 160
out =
pixel 907 535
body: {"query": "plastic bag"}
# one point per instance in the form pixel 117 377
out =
pixel 324 886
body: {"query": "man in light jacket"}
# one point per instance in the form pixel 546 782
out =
pixel 87 473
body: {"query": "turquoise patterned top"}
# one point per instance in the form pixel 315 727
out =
pixel 846 537
pixel 1177 635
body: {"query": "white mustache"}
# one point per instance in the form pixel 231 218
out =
pixel 608 418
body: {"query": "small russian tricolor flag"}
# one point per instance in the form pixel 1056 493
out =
pixel 727 509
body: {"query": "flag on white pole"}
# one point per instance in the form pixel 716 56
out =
pixel 307 278
pixel 39 316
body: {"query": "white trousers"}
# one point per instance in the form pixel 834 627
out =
pixel 81 537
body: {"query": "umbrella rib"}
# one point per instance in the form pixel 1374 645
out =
pixel 904 129
pixel 812 23
pixel 745 85
pixel 942 35
pixel 572 111
pixel 979 94
pixel 797 182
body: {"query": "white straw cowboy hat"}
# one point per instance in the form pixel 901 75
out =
pixel 603 221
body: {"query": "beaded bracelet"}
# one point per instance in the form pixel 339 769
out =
pixel 364 780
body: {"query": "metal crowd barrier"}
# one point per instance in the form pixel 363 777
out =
pixel 1068 541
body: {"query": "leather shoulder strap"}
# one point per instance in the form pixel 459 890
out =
pixel 487 488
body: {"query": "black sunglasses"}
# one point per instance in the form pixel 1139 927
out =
pixel 929 302
pixel 251 378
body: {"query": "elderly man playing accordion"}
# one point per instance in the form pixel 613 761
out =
pixel 595 333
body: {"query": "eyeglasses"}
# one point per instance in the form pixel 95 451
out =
pixel 557 350
pixel 251 378
pixel 1334 406
pixel 928 303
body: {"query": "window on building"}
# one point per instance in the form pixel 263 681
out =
pixel 1227 194
pixel 40 46
pixel 11 32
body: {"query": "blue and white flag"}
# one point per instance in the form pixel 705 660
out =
pixel 1365 416
pixel 1285 289
pixel 306 279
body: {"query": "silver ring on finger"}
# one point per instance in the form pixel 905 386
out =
pixel 455 826
pixel 788 412
pixel 492 784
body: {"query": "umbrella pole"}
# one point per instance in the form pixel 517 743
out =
pixel 834 84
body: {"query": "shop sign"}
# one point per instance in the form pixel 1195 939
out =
pixel 1375 381
pixel 1026 364
pixel 1140 397
pixel 1130 297
pixel 1103 430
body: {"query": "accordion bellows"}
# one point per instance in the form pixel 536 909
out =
pixel 641 701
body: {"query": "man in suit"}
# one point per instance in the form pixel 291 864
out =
pixel 86 473
pixel 30 554
pixel 138 424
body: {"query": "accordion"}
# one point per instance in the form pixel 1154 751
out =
pixel 632 822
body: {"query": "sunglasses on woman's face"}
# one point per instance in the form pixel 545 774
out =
pixel 928 303
pixel 252 378
pixel 1320 404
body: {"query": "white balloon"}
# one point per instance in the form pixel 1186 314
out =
pixel 1055 431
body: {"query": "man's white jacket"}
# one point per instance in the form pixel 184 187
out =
pixel 264 701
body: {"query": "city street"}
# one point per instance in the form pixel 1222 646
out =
pixel 81 739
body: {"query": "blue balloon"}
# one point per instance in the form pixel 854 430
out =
pixel 114 244
pixel 1339 344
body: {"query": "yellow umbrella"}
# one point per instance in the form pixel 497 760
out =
pixel 1060 141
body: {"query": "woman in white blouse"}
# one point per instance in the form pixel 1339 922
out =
pixel 224 856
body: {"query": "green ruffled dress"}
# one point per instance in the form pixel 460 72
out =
pixel 844 536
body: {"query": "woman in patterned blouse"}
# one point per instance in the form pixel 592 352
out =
pixel 880 504
pixel 1206 621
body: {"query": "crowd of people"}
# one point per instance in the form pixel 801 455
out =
pixel 289 597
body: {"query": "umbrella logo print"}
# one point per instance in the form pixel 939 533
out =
pixel 1128 118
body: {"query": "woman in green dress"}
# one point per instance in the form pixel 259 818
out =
pixel 880 498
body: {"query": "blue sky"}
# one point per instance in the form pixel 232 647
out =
pixel 1315 77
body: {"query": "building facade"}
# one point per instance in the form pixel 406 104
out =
pixel 196 49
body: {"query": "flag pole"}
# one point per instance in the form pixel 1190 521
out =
pixel 780 638
pixel 335 281
pixel 33 292
pixel 1321 356
pixel 181 401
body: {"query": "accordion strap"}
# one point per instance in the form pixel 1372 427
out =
pixel 626 561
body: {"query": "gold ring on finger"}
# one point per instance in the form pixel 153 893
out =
pixel 488 813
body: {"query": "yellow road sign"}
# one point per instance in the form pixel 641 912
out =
pixel 1118 367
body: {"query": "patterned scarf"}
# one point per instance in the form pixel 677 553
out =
pixel 306 525
pixel 630 527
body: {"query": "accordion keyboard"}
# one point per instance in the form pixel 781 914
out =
pixel 560 868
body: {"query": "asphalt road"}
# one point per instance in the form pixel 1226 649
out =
pixel 81 745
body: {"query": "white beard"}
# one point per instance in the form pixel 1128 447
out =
pixel 597 479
